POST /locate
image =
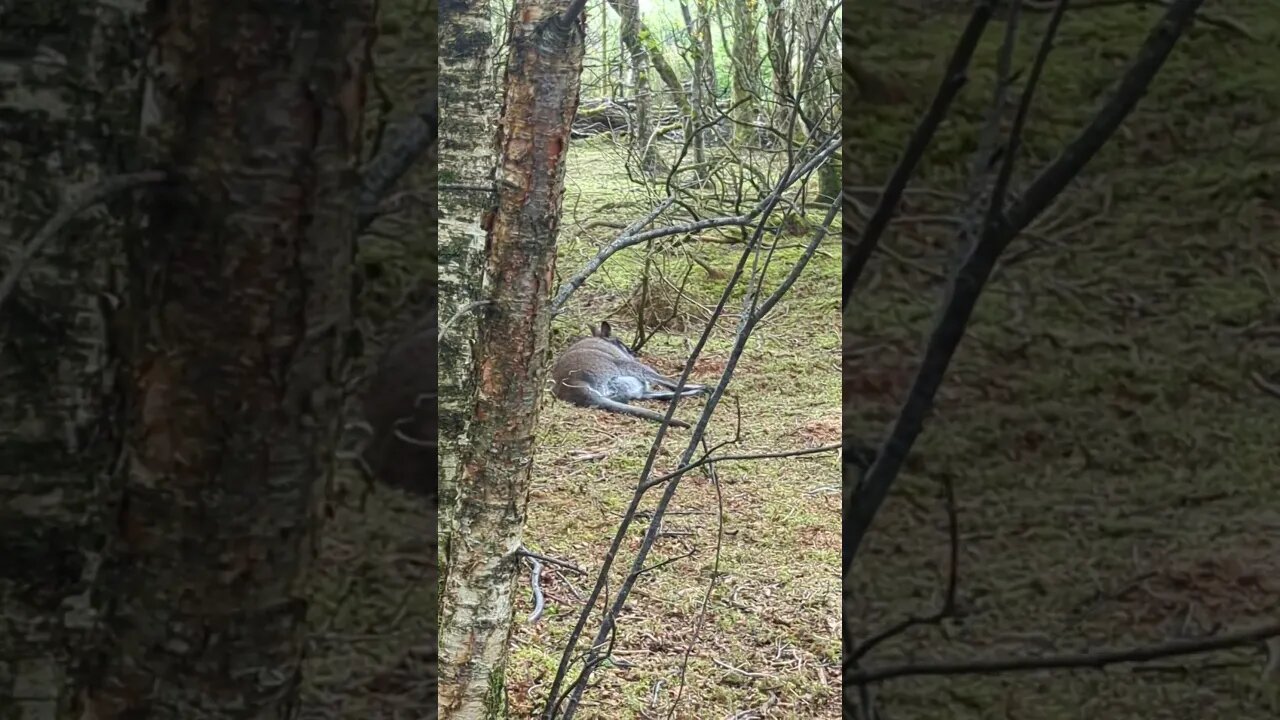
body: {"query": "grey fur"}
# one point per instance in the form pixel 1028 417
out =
pixel 600 372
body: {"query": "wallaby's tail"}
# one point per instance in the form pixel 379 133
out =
pixel 615 406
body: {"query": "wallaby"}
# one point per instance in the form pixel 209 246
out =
pixel 400 407
pixel 599 371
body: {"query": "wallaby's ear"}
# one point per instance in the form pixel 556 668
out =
pixel 605 329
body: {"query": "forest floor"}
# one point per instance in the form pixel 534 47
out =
pixel 767 638
pixel 1113 454
pixel 767 643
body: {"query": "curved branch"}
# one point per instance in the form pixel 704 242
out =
pixel 1091 661
pixel 953 78
pixel 999 230
pixel 74 203
pixel 414 135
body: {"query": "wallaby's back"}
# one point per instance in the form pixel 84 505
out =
pixel 400 407
pixel 588 362
pixel 599 371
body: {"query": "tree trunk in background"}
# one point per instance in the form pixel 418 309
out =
pixel 468 105
pixel 708 50
pixel 604 45
pixel 777 35
pixel 68 114
pixel 640 131
pixel 240 303
pixel 653 50
pixel 827 89
pixel 543 76
pixel 696 87
pixel 745 61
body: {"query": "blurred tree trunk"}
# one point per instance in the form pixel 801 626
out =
pixel 398 302
pixel 777 37
pixel 543 76
pixel 69 84
pixel 239 308
pixel 745 62
pixel 640 131
pixel 653 49
pixel 469 112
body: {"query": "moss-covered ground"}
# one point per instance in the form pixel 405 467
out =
pixel 1116 464
pixel 768 641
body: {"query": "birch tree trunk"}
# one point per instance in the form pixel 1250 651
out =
pixel 240 304
pixel 468 105
pixel 543 76
pixel 68 99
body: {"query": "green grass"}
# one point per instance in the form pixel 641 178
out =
pixel 770 625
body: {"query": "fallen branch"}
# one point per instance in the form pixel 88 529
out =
pixel 415 134
pixel 1090 661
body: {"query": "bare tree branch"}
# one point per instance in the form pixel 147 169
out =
pixel 1222 22
pixel 948 606
pixel 953 78
pixel 594 656
pixel 632 237
pixel 413 136
pixel 997 233
pixel 74 203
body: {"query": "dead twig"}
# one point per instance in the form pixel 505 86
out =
pixel 1090 661
pixel 998 231
pixel 953 78
pixel 73 203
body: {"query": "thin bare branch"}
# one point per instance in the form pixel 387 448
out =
pixel 976 270
pixel 953 78
pixel 1091 661
pixel 630 238
pixel 948 607
pixel 74 203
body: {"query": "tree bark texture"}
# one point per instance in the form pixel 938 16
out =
pixel 629 31
pixel 701 83
pixel 542 85
pixel 469 109
pixel 777 37
pixel 653 50
pixel 745 63
pixel 68 99
pixel 240 302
